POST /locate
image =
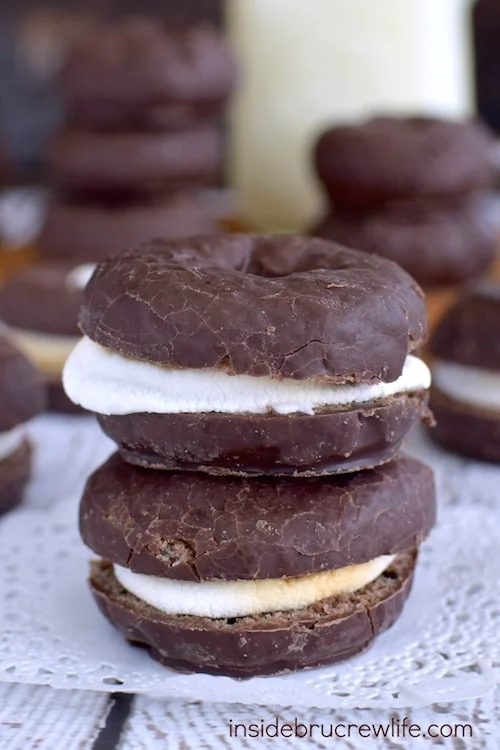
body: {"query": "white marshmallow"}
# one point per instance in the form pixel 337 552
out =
pixel 472 386
pixel 80 276
pixel 240 598
pixel 11 441
pixel 108 383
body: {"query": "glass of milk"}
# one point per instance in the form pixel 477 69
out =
pixel 307 64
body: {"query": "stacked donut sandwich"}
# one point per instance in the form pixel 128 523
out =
pixel 258 517
pixel 412 189
pixel 141 140
pixel 40 305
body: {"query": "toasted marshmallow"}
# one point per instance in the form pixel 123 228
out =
pixel 471 386
pixel 105 382
pixel 216 599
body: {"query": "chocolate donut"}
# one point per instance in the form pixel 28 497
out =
pixel 247 577
pixel 330 631
pixel 466 367
pixel 333 442
pixel 194 527
pixel 466 334
pixel 21 392
pixel 298 343
pixel 41 304
pixel 395 158
pixel 134 164
pixel 470 431
pixel 22 397
pixel 437 242
pixel 142 62
pixel 87 232
pixel 110 117
pixel 15 473
pixel 45 298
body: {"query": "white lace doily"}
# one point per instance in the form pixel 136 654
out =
pixel 444 647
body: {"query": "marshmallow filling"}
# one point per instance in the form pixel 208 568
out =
pixel 221 599
pixel 108 383
pixel 472 386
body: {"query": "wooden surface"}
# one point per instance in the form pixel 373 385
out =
pixel 39 718
pixel 11 260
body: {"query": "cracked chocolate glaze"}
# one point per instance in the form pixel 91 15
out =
pixel 330 631
pixel 468 333
pixel 391 158
pixel 264 306
pixel 332 441
pixel 22 395
pixel 14 476
pixel 193 527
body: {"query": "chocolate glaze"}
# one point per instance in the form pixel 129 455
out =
pixel 466 430
pixel 39 299
pixel 330 442
pixel 144 62
pixel 22 394
pixel 468 333
pixel 91 232
pixel 14 475
pixel 276 306
pixel 134 165
pixel 106 116
pixel 196 527
pixel 389 158
pixel 437 243
pixel 59 403
pixel 328 632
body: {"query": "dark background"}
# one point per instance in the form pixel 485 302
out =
pixel 486 25
pixel 29 109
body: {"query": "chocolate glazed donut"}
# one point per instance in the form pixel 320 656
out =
pixel 331 442
pixel 467 337
pixel 22 398
pixel 194 528
pixel 275 307
pixel 395 158
pixel 330 631
pixel 15 472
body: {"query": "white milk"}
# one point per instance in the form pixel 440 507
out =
pixel 309 63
